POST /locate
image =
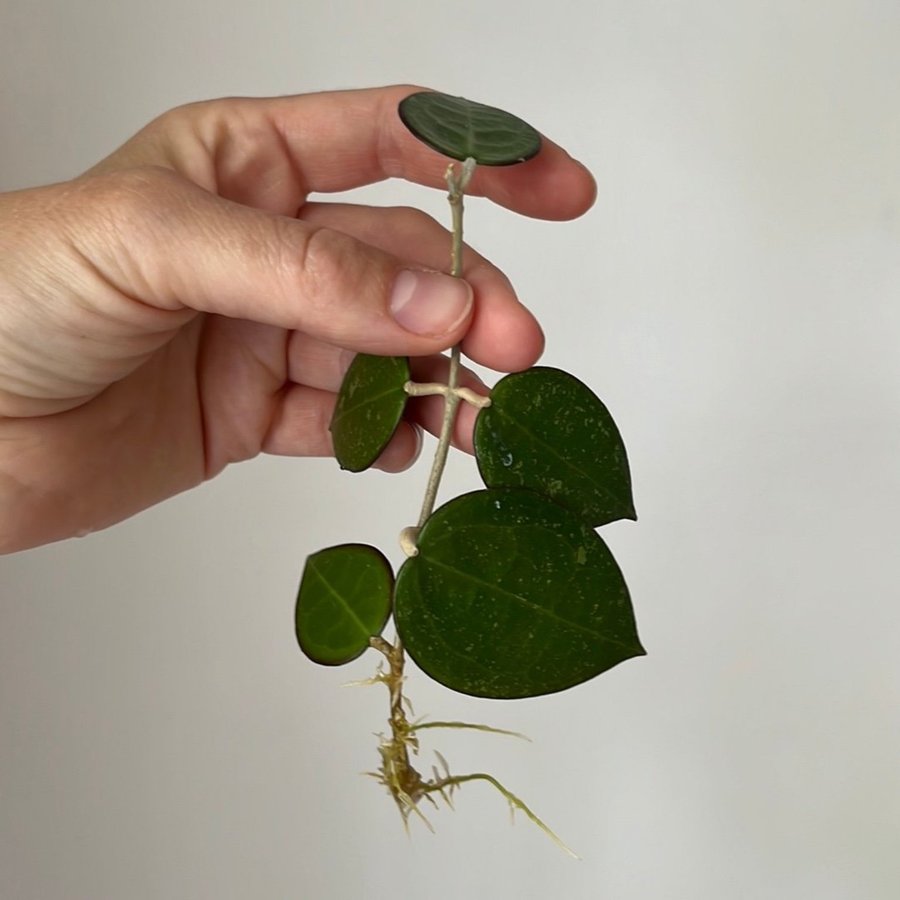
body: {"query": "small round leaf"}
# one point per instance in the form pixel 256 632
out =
pixel 369 407
pixel 510 596
pixel 344 599
pixel 463 129
pixel 548 432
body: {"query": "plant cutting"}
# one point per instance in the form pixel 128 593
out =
pixel 505 592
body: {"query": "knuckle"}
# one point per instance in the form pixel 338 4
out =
pixel 121 220
pixel 186 116
pixel 409 220
pixel 125 197
pixel 327 267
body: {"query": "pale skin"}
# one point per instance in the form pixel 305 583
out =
pixel 183 305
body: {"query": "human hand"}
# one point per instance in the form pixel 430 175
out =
pixel 182 305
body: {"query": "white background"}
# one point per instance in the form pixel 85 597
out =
pixel 734 299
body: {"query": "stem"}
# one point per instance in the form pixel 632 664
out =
pixel 405 784
pixel 395 660
pixel 457 185
pixel 397 774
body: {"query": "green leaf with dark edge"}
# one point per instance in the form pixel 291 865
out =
pixel 344 599
pixel 461 128
pixel 511 595
pixel 369 407
pixel 548 432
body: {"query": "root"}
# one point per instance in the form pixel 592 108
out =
pixel 400 778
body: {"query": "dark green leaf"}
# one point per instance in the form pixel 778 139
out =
pixel 344 599
pixel 511 595
pixel 369 408
pixel 548 432
pixel 461 129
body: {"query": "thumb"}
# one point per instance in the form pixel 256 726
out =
pixel 174 245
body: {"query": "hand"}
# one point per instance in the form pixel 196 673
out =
pixel 183 306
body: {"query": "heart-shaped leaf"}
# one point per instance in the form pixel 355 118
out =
pixel 344 599
pixel 511 595
pixel 369 407
pixel 463 129
pixel 548 432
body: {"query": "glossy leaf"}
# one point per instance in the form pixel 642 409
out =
pixel 548 432
pixel 369 407
pixel 344 599
pixel 511 595
pixel 461 129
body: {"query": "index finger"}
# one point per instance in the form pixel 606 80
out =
pixel 271 153
pixel 370 143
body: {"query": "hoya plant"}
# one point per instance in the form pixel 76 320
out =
pixel 505 592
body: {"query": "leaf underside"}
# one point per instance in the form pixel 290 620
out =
pixel 512 596
pixel 343 600
pixel 463 129
pixel 548 432
pixel 369 407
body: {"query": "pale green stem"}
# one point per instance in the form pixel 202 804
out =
pixel 452 398
pixel 457 186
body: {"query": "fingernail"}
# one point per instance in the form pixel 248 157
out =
pixel 429 303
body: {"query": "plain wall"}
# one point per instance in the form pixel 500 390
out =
pixel 734 297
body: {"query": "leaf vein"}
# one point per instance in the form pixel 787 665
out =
pixel 524 601
pixel 365 631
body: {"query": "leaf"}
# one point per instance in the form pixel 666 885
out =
pixel 344 599
pixel 369 407
pixel 510 596
pixel 461 129
pixel 548 432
